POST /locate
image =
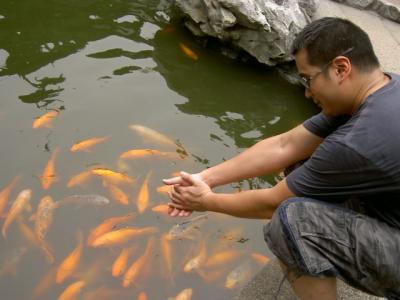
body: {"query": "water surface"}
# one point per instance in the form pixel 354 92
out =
pixel 104 65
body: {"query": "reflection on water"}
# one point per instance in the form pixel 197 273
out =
pixel 77 78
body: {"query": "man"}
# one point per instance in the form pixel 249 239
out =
pixel 353 156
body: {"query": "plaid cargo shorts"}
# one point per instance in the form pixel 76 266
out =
pixel 316 238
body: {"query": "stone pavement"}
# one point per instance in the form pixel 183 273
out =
pixel 385 36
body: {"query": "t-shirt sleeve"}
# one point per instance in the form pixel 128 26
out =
pixel 323 125
pixel 336 172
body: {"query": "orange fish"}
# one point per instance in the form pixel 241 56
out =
pixel 142 296
pixel 21 203
pixel 143 197
pixel 113 176
pixel 118 194
pixel 196 262
pixel 121 236
pixel 137 153
pixel 164 189
pixel 188 52
pixel 221 258
pixel 44 284
pixel 103 293
pixel 85 145
pixel 134 270
pixel 49 173
pixel 167 254
pixel 45 120
pixel 106 226
pixel 185 294
pixel 72 291
pixel 27 232
pixel 238 276
pixel 79 178
pixel 121 263
pixel 161 209
pixel 259 258
pixel 44 218
pixel 5 193
pixel 71 262
pixel 11 262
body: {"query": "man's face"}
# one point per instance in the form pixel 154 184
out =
pixel 321 84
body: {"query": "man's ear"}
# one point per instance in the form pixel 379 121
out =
pixel 342 66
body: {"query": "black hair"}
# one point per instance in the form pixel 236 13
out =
pixel 326 38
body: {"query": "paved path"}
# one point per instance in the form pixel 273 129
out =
pixel 385 36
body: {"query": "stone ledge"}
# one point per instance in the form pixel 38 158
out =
pixel 265 285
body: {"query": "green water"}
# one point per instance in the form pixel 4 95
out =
pixel 105 65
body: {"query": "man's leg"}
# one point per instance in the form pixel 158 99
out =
pixel 318 240
pixel 311 288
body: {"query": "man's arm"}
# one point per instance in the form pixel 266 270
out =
pixel 269 155
pixel 258 204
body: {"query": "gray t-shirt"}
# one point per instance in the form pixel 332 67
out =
pixel 359 157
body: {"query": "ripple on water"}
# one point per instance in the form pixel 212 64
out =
pixel 3 57
pixel 127 18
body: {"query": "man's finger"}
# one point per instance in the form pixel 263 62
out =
pixel 173 180
pixel 187 178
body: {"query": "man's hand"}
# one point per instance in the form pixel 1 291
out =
pixel 187 194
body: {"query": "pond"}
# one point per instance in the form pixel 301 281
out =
pixel 121 76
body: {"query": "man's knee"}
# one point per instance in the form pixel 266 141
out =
pixel 276 232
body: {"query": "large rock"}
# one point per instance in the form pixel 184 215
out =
pixel 263 28
pixel 389 9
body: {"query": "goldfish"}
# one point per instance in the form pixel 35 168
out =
pixel 44 218
pixel 10 264
pixel 120 264
pixel 167 255
pixel 27 232
pixel 32 238
pixel 259 258
pixel 137 153
pixel 49 173
pixel 72 291
pixel 118 194
pixel 79 178
pixel 113 176
pixel 143 197
pixel 45 120
pixel 142 296
pixel 164 189
pixel 134 270
pixel 197 261
pixel 161 209
pixel 188 52
pixel 85 145
pixel 44 284
pixel 103 293
pixel 221 258
pixel 106 226
pixel 187 229
pixel 121 236
pixel 238 275
pixel 185 294
pixel 153 135
pixel 20 203
pixel 92 199
pixel 71 262
pixel 5 193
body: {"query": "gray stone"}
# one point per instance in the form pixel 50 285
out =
pixel 269 284
pixel 389 9
pixel 263 28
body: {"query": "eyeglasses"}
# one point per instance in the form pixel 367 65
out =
pixel 306 80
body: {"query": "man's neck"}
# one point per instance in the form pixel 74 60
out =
pixel 367 84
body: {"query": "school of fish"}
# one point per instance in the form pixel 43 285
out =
pixel 130 252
